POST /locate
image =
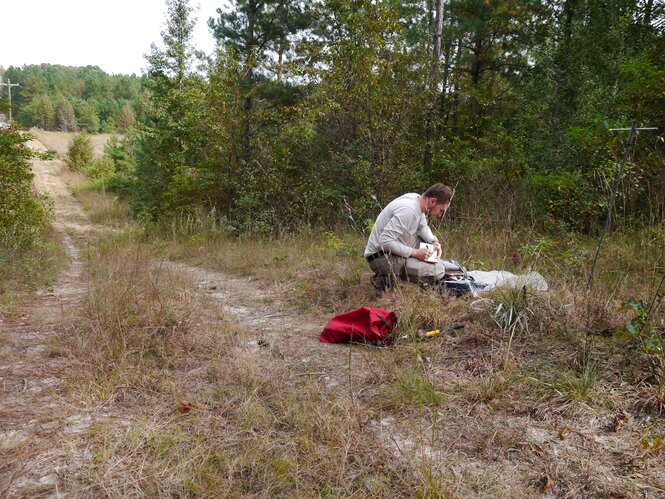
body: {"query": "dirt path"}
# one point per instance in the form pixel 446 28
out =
pixel 34 415
pixel 40 429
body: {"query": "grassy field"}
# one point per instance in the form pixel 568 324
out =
pixel 60 141
pixel 539 393
pixel 188 364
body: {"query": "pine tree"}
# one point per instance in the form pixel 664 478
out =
pixel 65 119
pixel 168 145
pixel 80 153
pixel 87 116
pixel 254 29
pixel 126 118
pixel 39 112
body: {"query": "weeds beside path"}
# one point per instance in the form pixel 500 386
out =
pixel 57 398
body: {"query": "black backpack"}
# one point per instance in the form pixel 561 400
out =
pixel 457 281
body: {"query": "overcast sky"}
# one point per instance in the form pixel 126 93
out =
pixel 111 34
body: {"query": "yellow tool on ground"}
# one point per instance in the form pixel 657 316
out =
pixel 421 333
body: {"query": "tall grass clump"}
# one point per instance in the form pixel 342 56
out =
pixel 197 226
pixel 101 206
pixel 135 311
pixel 27 267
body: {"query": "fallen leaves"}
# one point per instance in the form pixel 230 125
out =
pixel 620 420
pixel 546 485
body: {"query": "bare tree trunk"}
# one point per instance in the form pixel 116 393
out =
pixel 249 76
pixel 454 104
pixel 433 84
pixel 444 101
pixel 477 63
pixel 565 93
pixel 648 10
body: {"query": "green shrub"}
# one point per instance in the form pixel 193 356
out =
pixel 121 151
pixel 645 335
pixel 101 168
pixel 80 153
pixel 22 213
pixel 120 185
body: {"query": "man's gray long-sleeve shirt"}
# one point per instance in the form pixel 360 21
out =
pixel 398 226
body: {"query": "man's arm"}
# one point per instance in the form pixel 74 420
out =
pixel 426 235
pixel 425 232
pixel 392 239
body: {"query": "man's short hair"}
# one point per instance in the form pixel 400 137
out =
pixel 442 193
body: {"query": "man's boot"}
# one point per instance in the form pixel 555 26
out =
pixel 383 282
pixel 379 282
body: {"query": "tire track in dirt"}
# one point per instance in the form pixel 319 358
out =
pixel 275 328
pixel 34 413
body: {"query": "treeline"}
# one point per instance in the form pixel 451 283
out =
pixel 54 97
pixel 316 112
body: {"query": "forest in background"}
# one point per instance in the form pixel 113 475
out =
pixel 316 113
pixel 70 99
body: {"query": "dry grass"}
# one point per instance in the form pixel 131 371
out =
pixel 554 356
pixel 184 400
pixel 327 269
pixel 26 269
pixel 186 406
pixel 59 141
pixel 101 207
pixel 194 412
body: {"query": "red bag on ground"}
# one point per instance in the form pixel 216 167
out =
pixel 366 324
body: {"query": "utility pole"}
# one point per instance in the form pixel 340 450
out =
pixel 9 86
pixel 629 143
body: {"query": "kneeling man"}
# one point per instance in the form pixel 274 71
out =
pixel 392 249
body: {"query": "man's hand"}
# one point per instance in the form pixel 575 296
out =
pixel 439 250
pixel 420 253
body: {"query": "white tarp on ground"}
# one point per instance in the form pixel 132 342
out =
pixel 496 278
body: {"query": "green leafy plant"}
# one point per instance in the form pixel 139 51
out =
pixel 22 214
pixel 80 153
pixel 511 314
pixel 644 331
pixel 648 339
pixel 100 168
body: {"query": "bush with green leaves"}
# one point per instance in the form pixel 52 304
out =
pixel 645 332
pixel 22 213
pixel 100 168
pixel 121 150
pixel 80 153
